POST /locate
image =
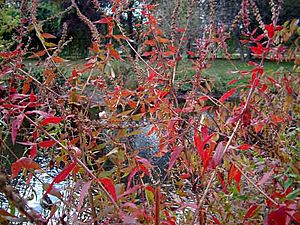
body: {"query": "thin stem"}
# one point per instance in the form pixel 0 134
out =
pixel 255 186
pixel 76 160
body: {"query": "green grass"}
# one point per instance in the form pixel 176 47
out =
pixel 219 73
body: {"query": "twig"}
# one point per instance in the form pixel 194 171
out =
pixel 19 202
pixel 256 186
pixel 35 80
pixel 213 175
pixel 45 48
pixel 76 160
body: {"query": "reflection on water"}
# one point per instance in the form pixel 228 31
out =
pixel 147 145
pixel 33 192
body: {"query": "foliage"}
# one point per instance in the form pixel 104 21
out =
pixel 228 159
pixel 9 22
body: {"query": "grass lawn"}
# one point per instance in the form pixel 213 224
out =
pixel 220 71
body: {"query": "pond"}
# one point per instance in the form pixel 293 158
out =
pixel 34 192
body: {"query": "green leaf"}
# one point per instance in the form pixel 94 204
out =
pixel 294 194
pixel 288 183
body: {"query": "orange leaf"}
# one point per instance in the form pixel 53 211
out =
pixel 58 59
pixel 37 54
pixel 168 53
pixel 118 37
pixel 26 86
pixel 47 35
pixel 163 40
pixel 150 42
pixel 25 163
pixel 114 53
pixel 258 127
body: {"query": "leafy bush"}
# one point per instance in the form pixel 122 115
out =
pixel 227 159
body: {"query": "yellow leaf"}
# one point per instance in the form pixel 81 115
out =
pixel 48 44
pixel 150 196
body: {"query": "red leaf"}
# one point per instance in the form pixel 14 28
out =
pixel 33 151
pixel 258 38
pixel 129 191
pixel 257 50
pixel 220 177
pixel 192 54
pixel 205 108
pixel 49 120
pixel 133 172
pixel 244 147
pixel 83 193
pixel 227 95
pixel 25 163
pixel 64 173
pixel 146 54
pixel 271 30
pixel 198 142
pixel 216 220
pixel 232 81
pixel 278 217
pixel 175 154
pixel 277 119
pixel 151 76
pixel 47 144
pixel 181 30
pixel 235 174
pixel 185 176
pixel 251 212
pixel 110 187
pixel 16 124
pixel 218 156
pixel 105 20
pixel 61 176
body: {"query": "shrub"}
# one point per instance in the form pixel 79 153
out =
pixel 225 161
